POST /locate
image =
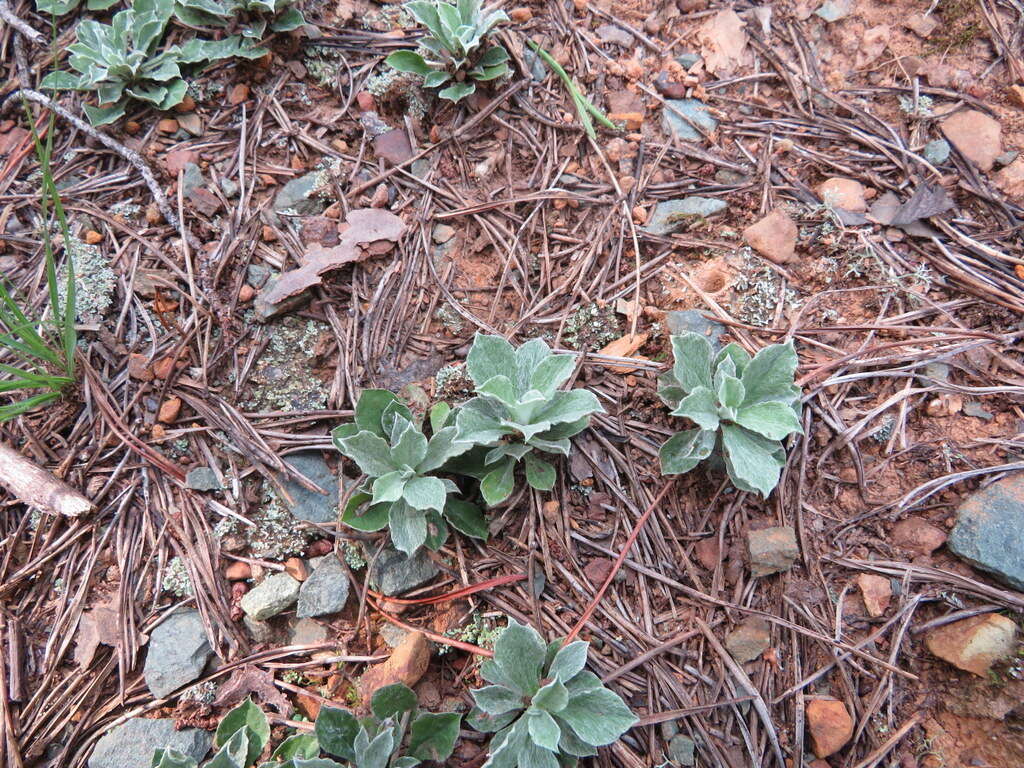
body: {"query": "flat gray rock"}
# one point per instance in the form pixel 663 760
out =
pixel 275 594
pixel 680 750
pixel 685 321
pixel 325 591
pixel 309 505
pixel 669 215
pixel 678 114
pixel 131 744
pixel 989 530
pixel 177 652
pixel 298 196
pixel 393 573
pixel 202 479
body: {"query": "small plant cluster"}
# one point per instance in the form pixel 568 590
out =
pixel 453 52
pixel 518 413
pixel 743 407
pixel 544 708
pixel 37 355
pixel 376 741
pixel 126 59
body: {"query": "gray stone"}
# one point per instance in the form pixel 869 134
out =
pixel 177 652
pixel 989 530
pixel 669 728
pixel 1007 157
pixel 275 594
pixel 266 311
pixel 393 635
pixel 936 152
pixel 298 196
pixel 202 479
pixel 693 321
pixel 772 550
pixel 672 214
pixel 421 168
pixel 325 591
pixel 834 10
pixel 309 505
pixel 393 573
pixel 228 187
pixel 534 65
pixel 191 179
pixel 257 275
pixel 307 632
pixel 680 750
pixel 611 33
pixel 975 409
pixel 687 60
pixel 749 640
pixel 933 372
pixel 132 743
pixel 259 631
pixel 694 111
pixel 443 233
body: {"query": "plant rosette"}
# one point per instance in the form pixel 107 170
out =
pixel 743 406
pixel 401 492
pixel 544 708
pixel 518 409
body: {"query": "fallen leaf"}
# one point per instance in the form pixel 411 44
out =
pixel 723 42
pixel 925 202
pixel 101 624
pixel 624 346
pixel 251 679
pixel 365 226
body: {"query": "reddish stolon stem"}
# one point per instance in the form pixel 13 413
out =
pixel 618 562
pixel 472 589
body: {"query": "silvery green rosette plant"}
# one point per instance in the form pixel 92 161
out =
pixel 376 741
pixel 251 18
pixel 518 410
pixel 60 7
pixel 121 61
pixel 742 406
pixel 402 492
pixel 544 708
pixel 450 51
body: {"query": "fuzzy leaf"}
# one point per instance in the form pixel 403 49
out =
pixel 105 115
pixel 370 409
pixel 692 367
pixel 492 56
pixel 457 91
pixel 433 736
pixel 315 762
pixel 481 721
pixel 685 450
pixel 362 516
pixel 750 459
pixel 772 419
pixel 56 7
pixel 444 445
pixel 466 518
pixel 737 354
pixel 569 407
pixel 569 661
pixel 235 752
pixel 485 74
pixel 289 19
pixel 410 448
pixel 497 485
pixel 544 730
pixel 392 700
pixel 370 452
pixel 500 388
pixel 496 699
pixel 478 424
pixel 301 745
pixel 425 493
pixel 552 373
pixel 408 527
pixel 598 717
pixel 519 653
pixel 439 414
pixel 489 356
pixel 245 716
pixel 408 61
pixel 536 756
pixel 389 487
pixel 539 473
pixel 172 758
pixel 769 375
pixel 336 730
pixel 376 752
pixel 435 79
pixel 552 697
pixel 730 392
pixel 700 407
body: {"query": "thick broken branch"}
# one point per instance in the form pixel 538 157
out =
pixel 36 487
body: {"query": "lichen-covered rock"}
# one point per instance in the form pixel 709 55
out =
pixel 309 505
pixel 393 573
pixel 275 594
pixel 669 215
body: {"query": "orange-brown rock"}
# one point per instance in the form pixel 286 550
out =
pixel 974 644
pixel 876 591
pixel 774 237
pixel 829 726
pixel 406 665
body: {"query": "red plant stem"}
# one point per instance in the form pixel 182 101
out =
pixel 455 594
pixel 618 562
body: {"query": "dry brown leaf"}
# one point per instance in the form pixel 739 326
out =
pixel 101 624
pixel 723 42
pixel 251 679
pixel 365 226
pixel 624 346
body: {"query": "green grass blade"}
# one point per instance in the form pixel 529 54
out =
pixel 8 412
pixel 584 107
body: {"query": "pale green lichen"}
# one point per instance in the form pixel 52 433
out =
pixel 480 631
pixel 399 91
pixel 284 377
pixel 452 383
pixel 176 579
pixel 591 327
pixel 201 693
pixel 95 281
pixel 353 555
pixel 275 534
pixel 757 289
